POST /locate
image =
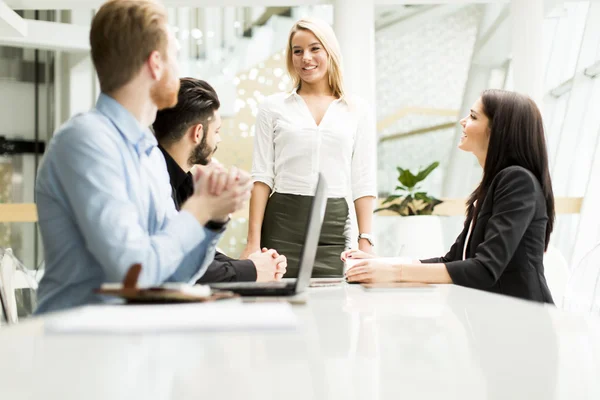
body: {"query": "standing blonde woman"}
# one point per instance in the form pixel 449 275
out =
pixel 315 128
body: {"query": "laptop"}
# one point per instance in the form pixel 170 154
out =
pixel 306 261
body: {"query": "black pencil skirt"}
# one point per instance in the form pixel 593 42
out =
pixel 284 227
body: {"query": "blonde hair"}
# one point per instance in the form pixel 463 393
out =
pixel 326 36
pixel 123 35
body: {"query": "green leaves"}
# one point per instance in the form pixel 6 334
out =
pixel 390 199
pixel 409 180
pixel 421 196
pixel 425 172
pixel 431 204
pixel 408 201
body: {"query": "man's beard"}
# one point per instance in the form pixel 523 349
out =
pixel 164 92
pixel 201 154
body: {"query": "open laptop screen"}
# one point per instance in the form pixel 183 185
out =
pixel 313 232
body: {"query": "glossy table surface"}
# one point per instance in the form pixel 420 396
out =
pixel 445 342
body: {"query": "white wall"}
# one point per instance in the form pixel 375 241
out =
pixel 82 89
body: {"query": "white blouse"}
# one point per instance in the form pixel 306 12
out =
pixel 290 149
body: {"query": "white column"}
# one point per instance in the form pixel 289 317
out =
pixel 218 38
pixel 527 19
pixel 229 28
pixel 354 25
pixel 79 86
pixel 212 34
pixel 185 39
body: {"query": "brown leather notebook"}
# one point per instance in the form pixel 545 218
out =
pixel 132 294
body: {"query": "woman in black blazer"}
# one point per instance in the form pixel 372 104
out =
pixel 509 216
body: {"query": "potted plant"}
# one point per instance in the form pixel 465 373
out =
pixel 406 226
pixel 409 201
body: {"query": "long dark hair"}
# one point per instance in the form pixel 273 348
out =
pixel 516 138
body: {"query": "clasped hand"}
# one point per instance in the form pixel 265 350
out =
pixel 218 192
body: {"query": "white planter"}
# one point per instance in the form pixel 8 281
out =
pixel 417 236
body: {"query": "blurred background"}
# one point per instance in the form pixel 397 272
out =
pixel 421 66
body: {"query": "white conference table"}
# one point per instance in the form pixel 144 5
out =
pixel 445 343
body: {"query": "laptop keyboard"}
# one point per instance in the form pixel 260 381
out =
pixel 249 285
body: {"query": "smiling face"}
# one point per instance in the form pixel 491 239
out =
pixel 309 57
pixel 476 132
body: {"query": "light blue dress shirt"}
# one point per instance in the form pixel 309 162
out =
pixel 104 203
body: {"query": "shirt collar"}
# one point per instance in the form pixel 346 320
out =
pixel 294 93
pixel 140 137
pixel 177 175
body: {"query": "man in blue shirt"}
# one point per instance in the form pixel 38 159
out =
pixel 103 193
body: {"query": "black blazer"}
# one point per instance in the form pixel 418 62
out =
pixel 506 247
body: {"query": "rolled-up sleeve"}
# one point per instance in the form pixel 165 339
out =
pixel 263 160
pixel 364 161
